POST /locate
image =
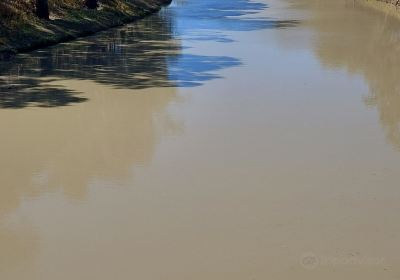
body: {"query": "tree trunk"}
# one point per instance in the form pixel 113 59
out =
pixel 42 9
pixel 91 4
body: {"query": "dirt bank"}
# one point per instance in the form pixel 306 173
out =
pixel 25 32
pixel 393 2
pixel 389 7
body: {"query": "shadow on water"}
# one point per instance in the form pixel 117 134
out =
pixel 146 54
pixel 27 90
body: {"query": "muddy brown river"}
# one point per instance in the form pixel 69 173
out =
pixel 229 139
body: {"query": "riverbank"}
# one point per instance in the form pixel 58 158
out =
pixel 389 7
pixel 392 2
pixel 29 33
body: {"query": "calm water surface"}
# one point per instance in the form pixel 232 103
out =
pixel 227 139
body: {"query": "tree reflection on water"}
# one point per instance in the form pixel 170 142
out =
pixel 146 54
pixel 343 43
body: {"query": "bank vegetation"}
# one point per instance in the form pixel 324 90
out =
pixel 30 24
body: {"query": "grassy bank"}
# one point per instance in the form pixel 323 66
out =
pixel 21 31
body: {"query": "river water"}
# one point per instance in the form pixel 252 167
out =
pixel 213 140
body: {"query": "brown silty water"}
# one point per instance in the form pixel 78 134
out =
pixel 214 140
